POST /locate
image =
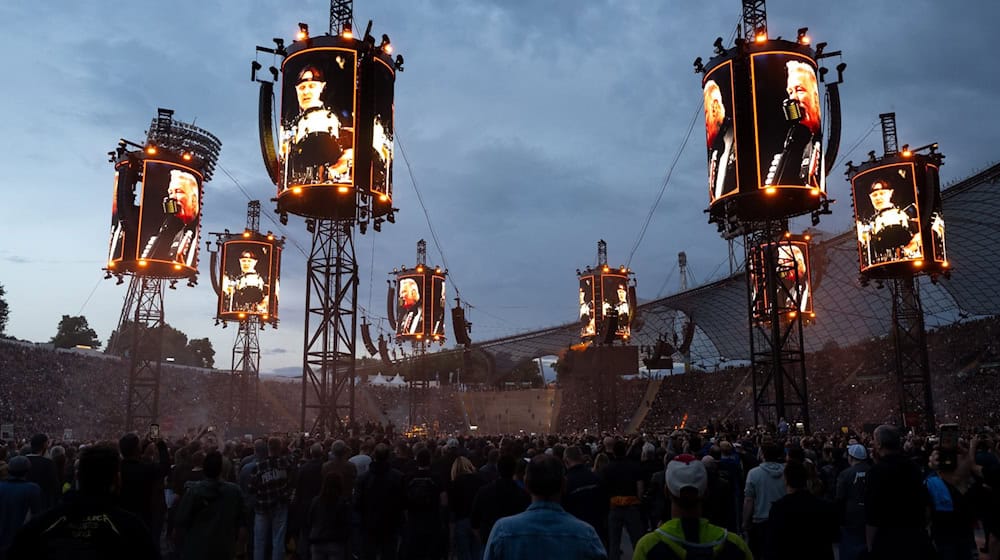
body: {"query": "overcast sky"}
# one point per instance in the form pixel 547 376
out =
pixel 533 129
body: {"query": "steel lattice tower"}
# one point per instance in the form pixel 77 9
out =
pixel 144 303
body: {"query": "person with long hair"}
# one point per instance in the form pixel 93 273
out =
pixel 465 482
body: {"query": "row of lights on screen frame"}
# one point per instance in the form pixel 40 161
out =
pixel 348 33
pixel 621 269
pixel 419 269
pixel 760 36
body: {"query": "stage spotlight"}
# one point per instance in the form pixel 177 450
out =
pixel 279 43
pixel 719 49
pixel 802 38
pixel 303 32
pixel 151 149
pixel 699 68
pixel 386 45
pixel 348 32
pixel 107 275
pixel 377 225
pixel 173 285
pixel 186 156
pixel 363 226
pixel 283 218
pixel 871 156
pixel 225 324
pixel 819 49
pixel 274 73
pixel 399 62
pixel 840 71
pixel 254 67
pixel 391 217
pixel 906 151
pixel 760 36
pixel 121 280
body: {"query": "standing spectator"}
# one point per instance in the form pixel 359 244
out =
pixel 425 498
pixel 380 501
pixel 954 497
pixel 850 502
pixel 896 502
pixel 88 524
pixel 465 482
pixel 490 471
pixel 309 480
pixel 502 498
pixel 800 525
pixel 142 482
pixel 43 471
pixel 18 498
pixel 363 460
pixel 765 485
pixel 622 480
pixel 271 486
pixel 340 464
pixel 328 521
pixel 687 534
pixel 211 515
pixel 545 530
pixel 584 498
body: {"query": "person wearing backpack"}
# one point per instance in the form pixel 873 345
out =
pixel 211 514
pixel 425 498
pixel 687 535
pixel 850 501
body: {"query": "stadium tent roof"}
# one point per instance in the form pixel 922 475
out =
pixel 846 312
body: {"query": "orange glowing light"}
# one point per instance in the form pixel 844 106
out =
pixel 111 264
pixel 815 192
pixel 347 34
pixel 142 263
pixel 812 315
pixel 419 336
pixel 907 153
pixel 918 264
pixel 437 337
pixel 383 197
pixel 606 268
pixel 151 149
pixel 387 48
pixel 808 237
pixel 770 190
pixel 301 35
pixel 296 190
pixel 420 269
pixel 243 315
pixel 343 189
pixel 792 314
pixel 264 316
pixel 761 37
pixel 186 156
pixel 945 264
pixel 270 237
pixel 246 234
pixel 177 267
pixel 788 234
pixel 804 40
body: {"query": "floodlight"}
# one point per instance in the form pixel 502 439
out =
pixel 802 38
pixel 698 66
pixel 303 32
pixel 254 67
pixel 386 45
pixel 347 33
pixel 399 62
pixel 719 49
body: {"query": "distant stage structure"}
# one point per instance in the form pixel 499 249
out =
pixel 155 231
pixel 900 229
pixel 769 150
pixel 330 156
pixel 246 276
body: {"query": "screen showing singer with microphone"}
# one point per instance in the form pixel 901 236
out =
pixel 789 121
pixel 170 214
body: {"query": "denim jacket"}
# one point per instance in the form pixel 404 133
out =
pixel 546 531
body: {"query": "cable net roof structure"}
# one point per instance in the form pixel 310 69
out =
pixel 846 312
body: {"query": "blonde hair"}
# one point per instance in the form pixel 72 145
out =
pixel 461 466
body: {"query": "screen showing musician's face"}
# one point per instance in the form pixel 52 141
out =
pixel 720 132
pixel 788 121
pixel 887 216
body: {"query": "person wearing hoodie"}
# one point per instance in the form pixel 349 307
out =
pixel 687 534
pixel 211 515
pixel 765 485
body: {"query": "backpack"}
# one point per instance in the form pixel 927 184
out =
pixel 422 494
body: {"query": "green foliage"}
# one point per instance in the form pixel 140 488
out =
pixel 167 342
pixel 4 310
pixel 74 331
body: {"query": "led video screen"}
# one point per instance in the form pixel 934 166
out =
pixel 124 218
pixel 410 305
pixel 382 130
pixel 588 318
pixel 720 132
pixel 317 118
pixel 792 274
pixel 438 306
pixel 169 215
pixel 787 121
pixel 887 216
pixel 250 272
pixel 940 253
pixel 614 293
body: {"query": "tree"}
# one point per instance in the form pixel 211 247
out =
pixel 74 331
pixel 4 310
pixel 201 352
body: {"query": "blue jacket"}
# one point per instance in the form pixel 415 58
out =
pixel 544 530
pixel 17 498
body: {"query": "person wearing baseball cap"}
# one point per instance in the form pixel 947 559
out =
pixel 850 502
pixel 687 534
